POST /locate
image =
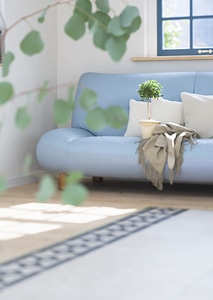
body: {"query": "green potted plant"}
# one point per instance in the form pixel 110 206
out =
pixel 148 90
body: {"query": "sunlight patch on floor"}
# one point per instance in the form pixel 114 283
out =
pixel 43 217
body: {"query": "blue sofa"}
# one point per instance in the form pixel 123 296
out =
pixel 108 152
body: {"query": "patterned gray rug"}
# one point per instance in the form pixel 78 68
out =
pixel 37 262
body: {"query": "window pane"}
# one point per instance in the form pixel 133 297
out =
pixel 176 34
pixel 202 8
pixel 174 8
pixel 202 33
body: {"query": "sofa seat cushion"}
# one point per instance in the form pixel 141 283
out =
pixel 65 150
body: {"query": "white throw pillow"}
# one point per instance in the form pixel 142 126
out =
pixel 161 110
pixel 137 111
pixel 167 111
pixel 197 110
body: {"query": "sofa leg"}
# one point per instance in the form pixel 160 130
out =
pixel 61 181
pixel 97 179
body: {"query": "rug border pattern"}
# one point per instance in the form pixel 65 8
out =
pixel 21 268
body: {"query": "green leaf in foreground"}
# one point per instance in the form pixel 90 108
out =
pixel 47 188
pixel 3 185
pixel 27 163
pixel 6 92
pixel 128 15
pixel 62 111
pixel 103 5
pixel 74 177
pixel 97 119
pixel 117 116
pixel 74 194
pixel 116 47
pixel 75 27
pixel 88 99
pixel 32 43
pixel 8 58
pixel 22 118
pixel 43 91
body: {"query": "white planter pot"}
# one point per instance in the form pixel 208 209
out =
pixel 147 127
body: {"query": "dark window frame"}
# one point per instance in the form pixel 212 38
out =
pixel 177 52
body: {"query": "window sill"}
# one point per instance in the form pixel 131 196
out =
pixel 169 58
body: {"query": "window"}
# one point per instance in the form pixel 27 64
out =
pixel 185 27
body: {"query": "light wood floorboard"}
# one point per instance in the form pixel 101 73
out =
pixel 107 201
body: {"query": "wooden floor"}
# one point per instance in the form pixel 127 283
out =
pixel 107 201
pixel 124 193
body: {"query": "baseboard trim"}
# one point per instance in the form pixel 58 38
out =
pixel 18 180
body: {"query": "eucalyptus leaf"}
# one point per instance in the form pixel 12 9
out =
pixel 47 188
pixel 74 177
pixel 136 23
pixel 103 5
pixel 8 58
pixel 116 47
pixel 3 184
pixel 22 118
pixel 88 99
pixel 43 91
pixel 115 28
pixel 97 119
pixel 6 92
pixel 75 27
pixel 99 19
pixel 62 111
pixel 84 9
pixel 27 163
pixel 118 117
pixel 32 43
pixel 100 38
pixel 74 194
pixel 128 15
pixel 71 97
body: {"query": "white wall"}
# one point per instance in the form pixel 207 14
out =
pixel 76 57
pixel 64 60
pixel 27 73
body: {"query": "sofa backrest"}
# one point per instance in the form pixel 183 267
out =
pixel 118 89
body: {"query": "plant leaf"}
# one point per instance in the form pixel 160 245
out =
pixel 8 58
pixel 116 47
pixel 117 116
pixel 88 99
pixel 43 91
pixel 6 91
pixel 47 188
pixel 100 37
pixel 128 15
pixel 32 43
pixel 134 26
pixel 97 119
pixel 99 19
pixel 22 118
pixel 62 111
pixel 115 28
pixel 71 96
pixel 74 177
pixel 103 5
pixel 83 8
pixel 75 27
pixel 3 184
pixel 74 194
pixel 27 163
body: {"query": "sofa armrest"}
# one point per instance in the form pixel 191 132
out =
pixel 55 142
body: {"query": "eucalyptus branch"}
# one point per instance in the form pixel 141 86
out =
pixel 38 89
pixel 49 6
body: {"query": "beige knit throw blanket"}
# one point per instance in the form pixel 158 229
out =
pixel 165 145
